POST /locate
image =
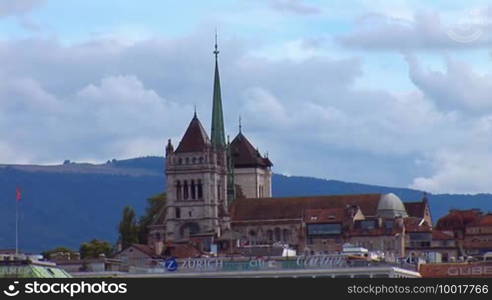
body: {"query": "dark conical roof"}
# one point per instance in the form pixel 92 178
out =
pixel 244 155
pixel 195 138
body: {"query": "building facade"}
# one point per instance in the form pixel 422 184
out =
pixel 323 224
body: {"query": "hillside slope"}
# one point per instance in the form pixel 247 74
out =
pixel 68 204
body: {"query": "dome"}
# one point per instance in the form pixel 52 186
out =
pixel 391 206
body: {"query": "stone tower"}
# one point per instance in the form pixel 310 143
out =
pixel 252 171
pixel 197 179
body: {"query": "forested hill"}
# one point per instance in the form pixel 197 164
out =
pixel 70 203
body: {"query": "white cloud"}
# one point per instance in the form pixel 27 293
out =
pixel 18 7
pixel 426 30
pixel 458 88
pixel 105 99
pixel 295 6
pixel 462 171
pixel 113 118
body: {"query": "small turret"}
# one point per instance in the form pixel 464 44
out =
pixel 169 147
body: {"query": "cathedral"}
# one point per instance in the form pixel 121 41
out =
pixel 204 177
pixel 219 199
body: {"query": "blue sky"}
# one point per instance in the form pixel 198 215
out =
pixel 381 92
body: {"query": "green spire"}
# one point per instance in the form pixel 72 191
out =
pixel 218 133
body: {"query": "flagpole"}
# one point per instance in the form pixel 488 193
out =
pixel 16 227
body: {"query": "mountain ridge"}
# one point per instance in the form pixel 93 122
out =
pixel 70 203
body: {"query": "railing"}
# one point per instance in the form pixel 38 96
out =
pixel 261 264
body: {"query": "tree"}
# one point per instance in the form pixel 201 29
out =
pixel 155 206
pixel 128 227
pixel 48 253
pixel 95 248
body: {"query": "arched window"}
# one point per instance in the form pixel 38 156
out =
pixel 185 190
pixel 200 189
pixel 178 190
pixel 178 213
pixel 270 235
pixel 278 236
pixel 193 191
pixel 286 235
pixel 180 161
pixel 194 160
pixel 187 160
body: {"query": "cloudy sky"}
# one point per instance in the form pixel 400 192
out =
pixel 395 93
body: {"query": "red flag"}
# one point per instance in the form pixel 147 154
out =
pixel 18 194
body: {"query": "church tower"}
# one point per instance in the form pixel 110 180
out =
pixel 252 171
pixel 197 179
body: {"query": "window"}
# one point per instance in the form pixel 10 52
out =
pixel 270 235
pixel 368 224
pixel 194 160
pixel 277 235
pixel 389 224
pixel 324 229
pixel 185 190
pixel 286 235
pixel 193 191
pixel 200 189
pixel 190 214
pixel 252 236
pixel 420 236
pixel 180 161
pixel 178 190
pixel 200 160
pixel 219 194
pixel 178 213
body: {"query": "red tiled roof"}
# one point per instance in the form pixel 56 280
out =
pixel 459 219
pixel 182 250
pixel 415 209
pixel 146 249
pixel 195 138
pixel 412 225
pixel 244 155
pixel 328 215
pixel 486 220
pixel 439 235
pixel 295 207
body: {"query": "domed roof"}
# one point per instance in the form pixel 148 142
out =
pixel 391 206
